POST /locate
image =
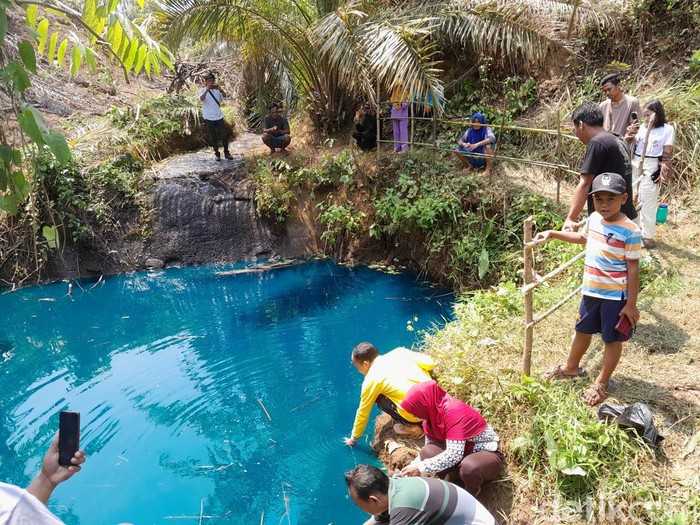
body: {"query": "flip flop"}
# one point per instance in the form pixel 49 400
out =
pixel 557 372
pixel 594 394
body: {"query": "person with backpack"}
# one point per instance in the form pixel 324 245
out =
pixel 211 97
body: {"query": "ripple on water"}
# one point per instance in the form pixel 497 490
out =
pixel 231 392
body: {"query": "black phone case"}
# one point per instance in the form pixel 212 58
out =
pixel 68 436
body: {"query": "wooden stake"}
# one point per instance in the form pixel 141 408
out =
pixel 527 278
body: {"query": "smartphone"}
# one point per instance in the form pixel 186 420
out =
pixel 624 327
pixel 68 436
pixel 634 115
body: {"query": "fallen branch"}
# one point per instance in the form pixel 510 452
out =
pixel 265 409
pixel 306 404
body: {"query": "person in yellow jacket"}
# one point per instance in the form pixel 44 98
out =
pixel 387 379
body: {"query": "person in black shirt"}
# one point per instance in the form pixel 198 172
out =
pixel 276 132
pixel 605 152
pixel 366 126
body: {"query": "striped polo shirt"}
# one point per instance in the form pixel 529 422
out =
pixel 432 501
pixel 609 245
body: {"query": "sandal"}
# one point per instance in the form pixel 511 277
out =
pixel 594 394
pixel 557 373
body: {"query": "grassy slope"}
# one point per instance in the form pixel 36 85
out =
pixel 480 355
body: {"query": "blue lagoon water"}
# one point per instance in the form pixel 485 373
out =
pixel 172 372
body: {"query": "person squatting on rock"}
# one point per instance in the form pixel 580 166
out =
pixel 211 97
pixel 387 379
pixel 651 164
pixel 605 153
pixel 610 282
pixel 478 138
pixel 276 133
pixel 460 446
pixel 23 507
pixel 402 501
pixel 366 128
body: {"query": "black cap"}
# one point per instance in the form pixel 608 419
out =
pixel 209 75
pixel 610 183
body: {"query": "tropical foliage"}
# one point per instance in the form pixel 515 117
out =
pixel 52 31
pixel 330 54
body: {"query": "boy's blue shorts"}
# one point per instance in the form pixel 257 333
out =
pixel 599 316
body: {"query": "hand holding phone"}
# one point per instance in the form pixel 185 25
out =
pixel 68 436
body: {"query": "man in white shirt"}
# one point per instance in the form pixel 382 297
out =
pixel 211 98
pixel 28 507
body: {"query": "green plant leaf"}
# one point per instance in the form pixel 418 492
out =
pixel 31 16
pixel 75 60
pixel 62 52
pixel 6 154
pixel 140 58
pixel 21 185
pixel 30 126
pixel 43 30
pixel 131 54
pixel 51 235
pixel 26 53
pixel 14 73
pixel 3 26
pixel 90 58
pixel 58 146
pixel 483 263
pixel 52 47
pixel 9 203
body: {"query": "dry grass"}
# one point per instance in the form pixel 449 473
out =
pixel 660 366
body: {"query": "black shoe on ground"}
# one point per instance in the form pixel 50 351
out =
pixel 217 155
pixel 227 155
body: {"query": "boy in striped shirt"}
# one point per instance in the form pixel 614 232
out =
pixel 610 282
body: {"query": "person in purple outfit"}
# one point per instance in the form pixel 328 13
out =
pixel 399 116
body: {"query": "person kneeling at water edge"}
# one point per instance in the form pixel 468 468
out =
pixel 413 500
pixel 387 379
pixel 477 139
pixel 610 282
pixel 461 447
pixel 276 132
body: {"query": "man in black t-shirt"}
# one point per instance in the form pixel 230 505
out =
pixel 276 132
pixel 605 152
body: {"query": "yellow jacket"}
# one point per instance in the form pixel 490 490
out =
pixel 391 374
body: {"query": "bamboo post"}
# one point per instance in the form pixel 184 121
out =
pixel 527 279
pixel 434 136
pixel 412 116
pixel 558 155
pixel 498 142
pixel 377 115
pixel 570 31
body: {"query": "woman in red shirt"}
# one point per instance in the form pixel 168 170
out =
pixel 460 446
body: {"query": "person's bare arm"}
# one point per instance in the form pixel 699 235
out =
pixel 578 201
pixel 630 309
pixel 52 473
pixel 666 164
pixel 572 237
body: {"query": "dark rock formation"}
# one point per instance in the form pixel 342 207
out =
pixel 203 213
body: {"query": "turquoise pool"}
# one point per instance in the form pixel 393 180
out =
pixel 173 373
